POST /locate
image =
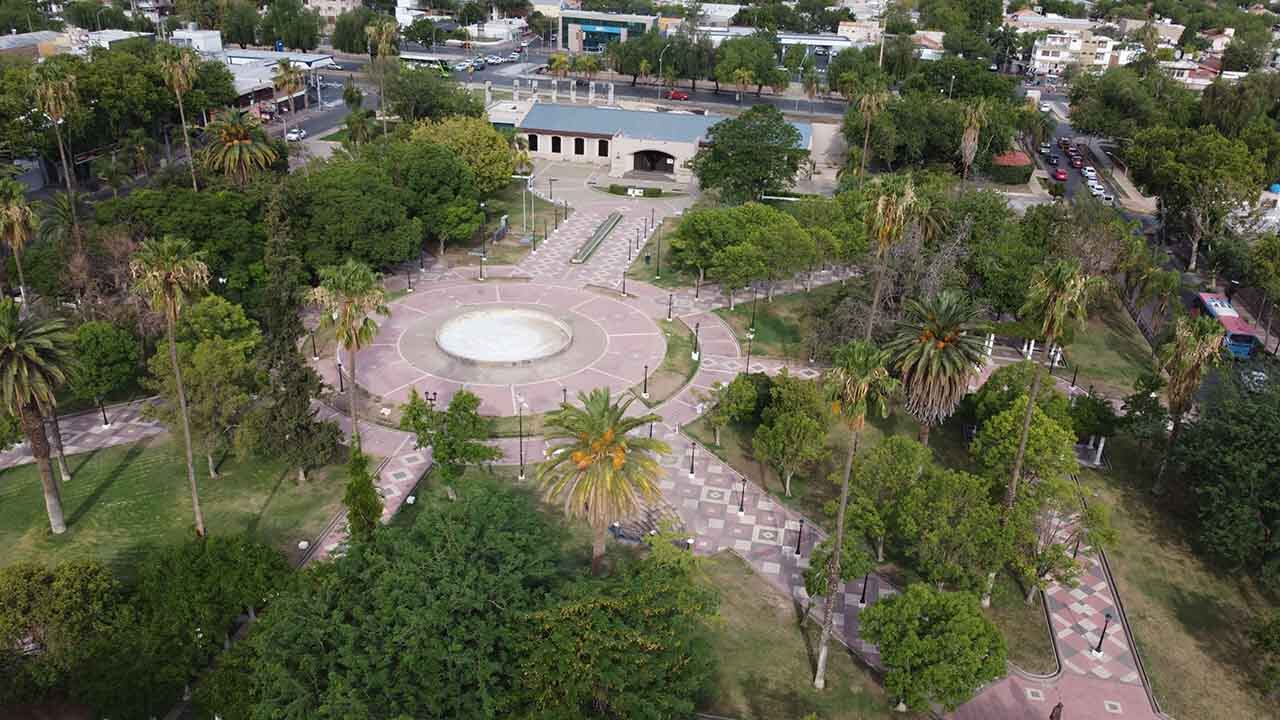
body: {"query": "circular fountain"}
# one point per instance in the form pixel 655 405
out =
pixel 504 336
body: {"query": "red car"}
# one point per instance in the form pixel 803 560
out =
pixel 1077 162
pixel 1060 175
pixel 676 95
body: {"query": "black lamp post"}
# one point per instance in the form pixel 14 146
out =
pixel 624 283
pixel 862 601
pixel 693 446
pixel 644 392
pixel 551 189
pixel 670 301
pixel 564 395
pixel 697 287
pixel 314 355
pixel 1106 624
pixel 742 496
pixel 520 431
pixel 422 260
pixel 751 339
pixel 409 277
pixel 657 274
pixel 341 388
pixel 751 331
pixel 800 536
pixel 650 429
pixel 103 408
pixel 696 325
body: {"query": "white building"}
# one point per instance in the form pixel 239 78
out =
pixel 1056 52
pixel 330 9
pixel 1028 20
pixel 205 42
pixel 1218 39
pixel 865 32
pixel 1167 32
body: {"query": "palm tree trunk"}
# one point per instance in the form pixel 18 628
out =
pixel 302 475
pixel 186 426
pixel 186 140
pixel 787 482
pixel 56 436
pixel 351 399
pixel 213 465
pixel 875 301
pixel 833 571
pixel 923 436
pixel 866 142
pixel 33 426
pixel 1012 492
pixel 717 432
pixel 880 548
pixel 66 179
pixel 1174 432
pixel 597 549
pixel 22 280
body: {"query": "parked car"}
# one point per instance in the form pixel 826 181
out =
pixel 1044 108
pixel 295 135
pixel 1045 148
pixel 1077 162
pixel 1060 175
pixel 495 60
pixel 676 95
pixel 1108 198
pixel 462 66
pixel 514 57
pixel 478 63
pixel 1053 159
pixel 1089 172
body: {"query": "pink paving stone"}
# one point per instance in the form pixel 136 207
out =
pixel 494 399
pixel 520 292
pixel 543 394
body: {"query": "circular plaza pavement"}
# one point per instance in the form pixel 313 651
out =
pixel 610 345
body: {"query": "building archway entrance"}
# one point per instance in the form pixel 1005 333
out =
pixel 654 161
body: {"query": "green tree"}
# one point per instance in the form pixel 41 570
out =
pixel 737 265
pixel 790 442
pixel 478 144
pixel 952 530
pixel 730 403
pixel 35 356
pixel 237 147
pixel 975 116
pixel 352 95
pixel 111 173
pixel 180 66
pixel 348 295
pixel 1198 174
pixel 1007 385
pixel 936 647
pixel 1265 638
pixel 701 234
pixel 881 479
pixel 596 468
pixel 1047 455
pixel 1056 526
pixel 240 23
pixel 361 499
pixel 456 435
pixel 938 349
pixel 166 272
pixel 349 34
pixel 1142 415
pixel 1196 346
pixel 421 94
pixel 747 156
pixel 289 22
pixel 106 360
pixel 854 561
pixel 858 384
pixel 359 127
pixel 871 101
pixel 56 97
pixel 16 223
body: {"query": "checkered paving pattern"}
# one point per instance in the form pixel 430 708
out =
pixel 84 432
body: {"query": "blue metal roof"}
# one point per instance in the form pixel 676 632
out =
pixel 639 124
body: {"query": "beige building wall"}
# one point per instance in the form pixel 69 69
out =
pixel 619 155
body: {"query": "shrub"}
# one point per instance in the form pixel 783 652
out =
pixel 1009 174
pixel 618 189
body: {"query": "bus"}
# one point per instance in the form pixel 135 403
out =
pixel 1242 339
pixel 440 64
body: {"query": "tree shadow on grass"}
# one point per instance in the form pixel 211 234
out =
pixel 802 625
pixel 252 528
pixel 766 700
pixel 134 452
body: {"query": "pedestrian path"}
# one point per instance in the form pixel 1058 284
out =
pixel 84 432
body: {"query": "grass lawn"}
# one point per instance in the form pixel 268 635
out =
pixel 122 499
pixel 1024 628
pixel 1190 619
pixel 512 202
pixel 783 325
pixel 677 366
pixel 671 277
pixel 767 658
pixel 1110 351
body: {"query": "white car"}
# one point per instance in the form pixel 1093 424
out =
pixel 462 66
pixel 295 135
pixel 495 60
pixel 1044 108
pixel 513 57
pixel 1089 172
pixel 1096 191
pixel 1108 198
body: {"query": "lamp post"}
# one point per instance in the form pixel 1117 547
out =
pixel 409 277
pixel 105 422
pixel 751 330
pixel 665 48
pixel 670 300
pixel 1107 623
pixel 551 189
pixel 422 260
pixel 624 283
pixel 742 496
pixel 800 536
pixel 951 87
pixel 644 392
pixel 341 388
pixel 483 260
pixel 314 355
pixel 520 431
pixel 751 339
pixel 693 447
pixel 564 395
pixel 862 601
pixel 657 275
pixel 484 231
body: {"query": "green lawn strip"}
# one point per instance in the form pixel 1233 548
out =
pixel 509 427
pixel 767 656
pixel 783 326
pixel 1189 619
pixel 672 278
pixel 1023 626
pixel 677 367
pixel 122 499
pixel 1110 352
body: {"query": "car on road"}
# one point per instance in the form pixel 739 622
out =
pixel 1077 162
pixel 676 95
pixel 478 63
pixel 295 135
pixel 1044 108
pixel 1108 198
pixel 462 66
pixel 1045 148
pixel 514 57
pixel 1060 175
pixel 495 60
pixel 1053 159
pixel 1089 172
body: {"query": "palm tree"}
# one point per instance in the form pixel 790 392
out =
pixel 238 147
pixel 138 149
pixel 359 127
pixel 858 384
pixel 34 358
pixel 645 69
pixel 559 64
pixel 287 78
pixel 937 351
pixel 351 95
pixel 111 173
pixel 975 116
pixel 180 66
pixel 1058 301
pixel 812 84
pixel 166 272
pixel 57 98
pixel 871 102
pixel 16 220
pixel 348 294
pixel 384 37
pixel 743 78
pixel 1196 344
pixel 57 218
pixel 597 468
pixel 893 210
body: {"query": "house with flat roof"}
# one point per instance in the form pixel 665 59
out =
pixel 624 141
pixel 584 31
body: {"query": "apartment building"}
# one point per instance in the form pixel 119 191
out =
pixel 1055 52
pixel 330 9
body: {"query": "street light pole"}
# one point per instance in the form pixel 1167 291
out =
pixel 742 496
pixel 670 299
pixel 520 421
pixel 751 331
pixel 696 325
pixel 1107 623
pixel 951 87
pixel 314 355
pixel 665 48
pixel 644 392
pixel 551 188
pixel 693 447
pixel 800 536
pixel 751 339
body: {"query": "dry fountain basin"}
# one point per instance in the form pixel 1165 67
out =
pixel 503 336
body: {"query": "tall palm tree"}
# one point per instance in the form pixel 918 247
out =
pixel 111 172
pixel 937 351
pixel 812 84
pixel 16 221
pixel 1057 302
pixel 166 272
pixel 358 127
pixel 288 79
pixel 1196 344
pixel 348 294
pixel 179 67
pixel 384 37
pixel 34 359
pixel 871 102
pixel 57 218
pixel 858 384
pixel 237 146
pixel 893 210
pixel 743 78
pixel 597 468
pixel 138 149
pixel 57 98
pixel 975 116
